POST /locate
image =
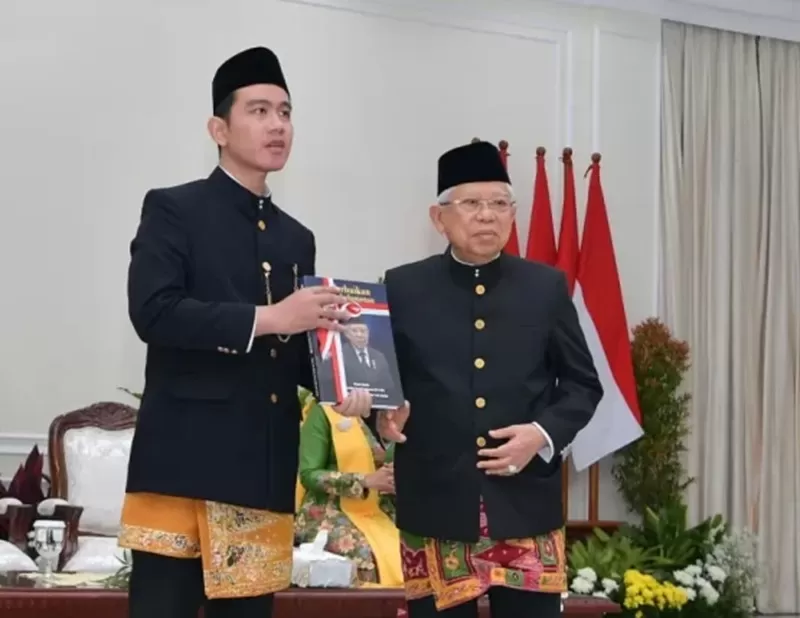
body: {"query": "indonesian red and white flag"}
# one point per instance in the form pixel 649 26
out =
pixel 541 238
pixel 598 301
pixel 568 241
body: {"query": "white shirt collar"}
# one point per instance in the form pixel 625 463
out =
pixel 267 191
pixel 460 261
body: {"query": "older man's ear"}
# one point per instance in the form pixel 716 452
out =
pixel 435 213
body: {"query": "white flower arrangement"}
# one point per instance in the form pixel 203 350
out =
pixel 586 582
pixel 728 573
pixel 701 580
pixel 735 557
pixel 731 569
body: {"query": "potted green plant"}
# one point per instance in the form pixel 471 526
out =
pixel 649 473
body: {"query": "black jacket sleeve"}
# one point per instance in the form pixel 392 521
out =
pixel 160 309
pixel 578 391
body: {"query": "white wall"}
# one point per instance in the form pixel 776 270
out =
pixel 104 100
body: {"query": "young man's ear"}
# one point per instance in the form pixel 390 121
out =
pixel 218 130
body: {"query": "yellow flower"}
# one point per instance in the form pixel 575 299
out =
pixel 630 577
pixel 642 590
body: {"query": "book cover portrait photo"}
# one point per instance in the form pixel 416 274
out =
pixel 362 355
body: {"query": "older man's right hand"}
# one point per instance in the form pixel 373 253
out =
pixel 392 422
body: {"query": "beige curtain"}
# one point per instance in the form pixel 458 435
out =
pixel 730 280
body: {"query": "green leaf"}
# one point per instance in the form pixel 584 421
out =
pixel 651 472
pixel 130 392
pixel 601 534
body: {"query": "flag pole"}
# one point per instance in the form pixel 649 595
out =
pixel 512 246
pixel 566 160
pixel 502 146
pixel 594 469
pixel 541 244
pixel 595 161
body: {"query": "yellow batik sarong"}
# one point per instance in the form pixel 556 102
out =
pixel 244 552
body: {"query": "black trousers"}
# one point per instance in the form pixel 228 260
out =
pixel 503 603
pixel 162 587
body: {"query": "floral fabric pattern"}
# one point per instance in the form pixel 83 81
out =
pixel 455 572
pixel 325 485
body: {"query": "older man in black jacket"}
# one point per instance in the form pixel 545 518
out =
pixel 499 380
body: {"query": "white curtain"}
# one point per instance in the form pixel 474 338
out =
pixel 730 280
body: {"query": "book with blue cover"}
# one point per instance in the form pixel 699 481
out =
pixel 362 356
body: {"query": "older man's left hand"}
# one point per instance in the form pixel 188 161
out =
pixel 357 403
pixel 522 444
pixel 392 422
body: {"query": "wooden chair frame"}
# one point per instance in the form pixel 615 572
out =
pixel 111 416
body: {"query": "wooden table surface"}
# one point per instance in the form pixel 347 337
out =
pixel 22 597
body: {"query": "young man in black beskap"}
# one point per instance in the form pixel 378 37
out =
pixel 213 291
